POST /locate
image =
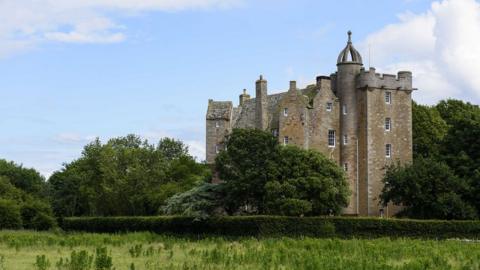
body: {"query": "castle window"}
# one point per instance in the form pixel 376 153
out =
pixel 388 150
pixel 275 132
pixel 345 167
pixel 388 124
pixel 344 109
pixel 217 149
pixel 345 139
pixel 285 140
pixel 217 124
pixel 329 106
pixel 331 138
pixel 388 97
pixel 285 112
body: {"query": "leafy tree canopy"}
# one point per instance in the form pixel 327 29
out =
pixel 428 189
pixel 429 129
pixel 125 176
pixel 272 179
pixel 28 180
pixel 200 202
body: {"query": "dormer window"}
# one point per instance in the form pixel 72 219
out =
pixel 285 112
pixel 388 97
pixel 329 106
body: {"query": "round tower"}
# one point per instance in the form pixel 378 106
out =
pixel 349 65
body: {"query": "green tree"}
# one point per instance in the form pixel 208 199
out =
pixel 34 212
pixel 429 129
pixel 428 189
pixel 172 149
pixel 200 202
pixel 246 166
pixel 461 147
pixel 10 217
pixel 28 180
pixel 272 179
pixel 308 180
pixel 125 176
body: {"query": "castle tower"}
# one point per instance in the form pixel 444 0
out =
pixel 261 104
pixel 349 64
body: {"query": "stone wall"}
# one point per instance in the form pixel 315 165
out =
pixel 399 136
pixel 294 124
pixel 322 120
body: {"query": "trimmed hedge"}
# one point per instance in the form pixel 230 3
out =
pixel 261 226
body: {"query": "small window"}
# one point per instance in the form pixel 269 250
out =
pixel 275 132
pixel 217 149
pixel 329 106
pixel 345 167
pixel 344 109
pixel 388 97
pixel 285 112
pixel 331 138
pixel 388 150
pixel 345 139
pixel 217 124
pixel 388 124
pixel 285 140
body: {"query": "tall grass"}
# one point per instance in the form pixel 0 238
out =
pixel 81 251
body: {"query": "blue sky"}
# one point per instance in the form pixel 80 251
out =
pixel 72 71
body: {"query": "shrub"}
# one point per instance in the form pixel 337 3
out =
pixel 37 215
pixel 264 226
pixel 42 263
pixel 78 261
pixel 102 260
pixel 10 217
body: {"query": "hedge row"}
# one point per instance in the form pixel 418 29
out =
pixel 261 226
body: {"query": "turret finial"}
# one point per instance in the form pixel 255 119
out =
pixel 349 54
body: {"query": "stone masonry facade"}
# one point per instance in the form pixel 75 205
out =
pixel 359 118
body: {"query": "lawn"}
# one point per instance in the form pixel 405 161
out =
pixel 24 250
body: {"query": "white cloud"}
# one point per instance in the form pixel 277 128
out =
pixel 27 23
pixel 440 46
pixel 197 149
pixel 73 138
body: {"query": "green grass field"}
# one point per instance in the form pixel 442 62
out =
pixel 23 250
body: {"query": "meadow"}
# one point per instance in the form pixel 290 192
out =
pixel 21 250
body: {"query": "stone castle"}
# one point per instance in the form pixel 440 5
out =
pixel 357 117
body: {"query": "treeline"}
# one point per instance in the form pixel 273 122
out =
pixel 126 176
pixel 444 180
